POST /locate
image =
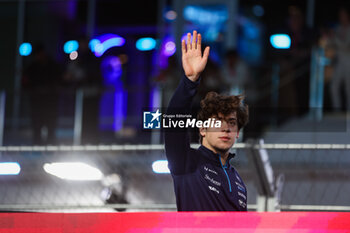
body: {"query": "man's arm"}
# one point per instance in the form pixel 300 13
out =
pixel 177 143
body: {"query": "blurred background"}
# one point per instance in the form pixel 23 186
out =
pixel 77 75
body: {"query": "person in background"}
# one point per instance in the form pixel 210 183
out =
pixel 168 79
pixel 235 73
pixel 294 90
pixel 341 75
pixel 325 42
pixel 84 73
pixel 41 79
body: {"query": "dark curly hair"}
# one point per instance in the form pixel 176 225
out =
pixel 213 104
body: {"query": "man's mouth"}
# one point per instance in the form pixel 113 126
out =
pixel 224 138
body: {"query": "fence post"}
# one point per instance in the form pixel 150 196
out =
pixel 78 116
pixel 18 64
pixel 275 86
pixel 263 176
pixel 261 203
pixel 318 62
pixel 157 95
pixel 2 117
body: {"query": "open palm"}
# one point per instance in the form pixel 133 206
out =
pixel 193 62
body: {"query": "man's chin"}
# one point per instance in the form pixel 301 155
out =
pixel 223 148
pixel 225 145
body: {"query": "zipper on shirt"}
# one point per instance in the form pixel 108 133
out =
pixel 228 179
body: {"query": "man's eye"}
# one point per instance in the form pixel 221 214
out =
pixel 232 123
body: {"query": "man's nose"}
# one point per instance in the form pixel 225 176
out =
pixel 225 127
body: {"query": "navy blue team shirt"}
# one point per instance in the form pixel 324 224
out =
pixel 201 181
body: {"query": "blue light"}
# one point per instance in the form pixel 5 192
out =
pixel 112 103
pixel 101 48
pixel 146 44
pixel 111 68
pixel 71 46
pixel 206 15
pixel 160 166
pixel 280 41
pixel 25 49
pixel 251 31
pixel 102 43
pixel 10 168
pixel 258 10
pixel 93 43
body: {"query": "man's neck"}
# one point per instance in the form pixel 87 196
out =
pixel 223 154
pixel 223 158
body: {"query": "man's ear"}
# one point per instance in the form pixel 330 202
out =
pixel 237 134
pixel 203 131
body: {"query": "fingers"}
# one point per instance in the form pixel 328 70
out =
pixel 206 53
pixel 188 41
pixel 195 44
pixel 199 42
pixel 183 46
pixel 205 57
pixel 194 40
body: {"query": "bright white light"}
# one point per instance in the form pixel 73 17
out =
pixel 10 168
pixel 280 41
pixel 73 55
pixel 73 171
pixel 160 166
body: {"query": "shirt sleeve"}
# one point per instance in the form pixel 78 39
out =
pixel 177 141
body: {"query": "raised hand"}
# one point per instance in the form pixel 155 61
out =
pixel 193 62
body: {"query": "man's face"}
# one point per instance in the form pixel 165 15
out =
pixel 221 139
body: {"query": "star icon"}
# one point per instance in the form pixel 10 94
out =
pixel 155 115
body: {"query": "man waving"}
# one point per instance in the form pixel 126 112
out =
pixel 204 179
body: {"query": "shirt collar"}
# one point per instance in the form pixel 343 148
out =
pixel 216 157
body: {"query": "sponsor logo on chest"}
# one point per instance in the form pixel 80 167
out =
pixel 212 180
pixel 242 195
pixel 214 189
pixel 242 203
pixel 240 187
pixel 210 170
pixel 239 179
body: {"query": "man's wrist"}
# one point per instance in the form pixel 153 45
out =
pixel 193 78
pixel 191 84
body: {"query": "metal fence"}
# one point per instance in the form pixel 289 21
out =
pixel 305 177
